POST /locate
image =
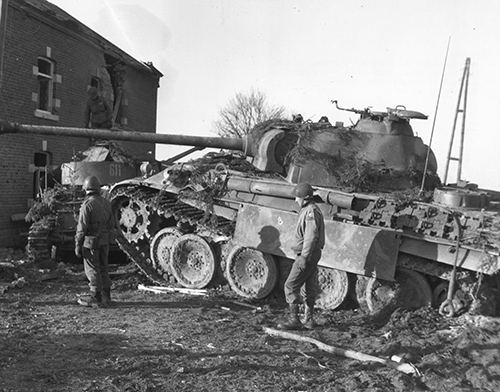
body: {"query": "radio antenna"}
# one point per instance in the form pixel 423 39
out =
pixel 424 174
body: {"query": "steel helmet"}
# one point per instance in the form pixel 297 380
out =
pixel 91 183
pixel 303 190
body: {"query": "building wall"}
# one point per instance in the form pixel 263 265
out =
pixel 76 61
pixel 139 109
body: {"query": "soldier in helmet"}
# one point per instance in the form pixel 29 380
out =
pixel 309 242
pixel 93 233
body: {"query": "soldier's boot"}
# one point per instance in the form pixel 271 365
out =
pixel 106 298
pixel 293 321
pixel 309 322
pixel 92 299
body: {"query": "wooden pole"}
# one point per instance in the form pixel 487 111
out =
pixel 163 290
pixel 404 367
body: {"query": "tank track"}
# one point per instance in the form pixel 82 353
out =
pixel 167 207
pixel 40 239
pixel 420 218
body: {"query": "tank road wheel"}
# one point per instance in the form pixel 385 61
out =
pixel 410 290
pixel 380 295
pixel 161 248
pixel 132 217
pixel 251 273
pixel 192 261
pixel 414 289
pixel 333 286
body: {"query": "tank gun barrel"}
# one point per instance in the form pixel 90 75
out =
pixel 142 137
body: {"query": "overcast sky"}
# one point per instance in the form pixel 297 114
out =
pixel 302 54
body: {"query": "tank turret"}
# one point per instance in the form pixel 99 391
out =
pixel 379 151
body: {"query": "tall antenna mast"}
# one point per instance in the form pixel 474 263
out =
pixel 424 174
pixel 464 86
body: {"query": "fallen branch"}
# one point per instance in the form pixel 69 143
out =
pixel 404 367
pixel 163 290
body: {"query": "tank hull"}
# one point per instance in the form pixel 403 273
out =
pixel 371 240
pixel 75 173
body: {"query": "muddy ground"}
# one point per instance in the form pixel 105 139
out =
pixel 177 342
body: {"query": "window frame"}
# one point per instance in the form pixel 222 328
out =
pixel 50 79
pixel 50 88
pixel 41 173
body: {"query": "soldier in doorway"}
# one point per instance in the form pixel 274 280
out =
pixel 93 234
pixel 309 242
pixel 98 114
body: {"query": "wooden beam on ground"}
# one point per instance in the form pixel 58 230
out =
pixel 163 290
pixel 404 367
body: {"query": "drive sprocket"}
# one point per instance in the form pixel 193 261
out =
pixel 132 218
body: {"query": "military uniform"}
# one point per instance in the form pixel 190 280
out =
pixel 309 242
pixel 98 113
pixel 93 234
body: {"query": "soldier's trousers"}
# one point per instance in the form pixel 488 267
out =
pixel 303 273
pixel 95 262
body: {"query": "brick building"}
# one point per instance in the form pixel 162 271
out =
pixel 48 60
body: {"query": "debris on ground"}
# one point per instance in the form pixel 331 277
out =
pixel 397 364
pixel 245 305
pixel 164 290
pixel 176 342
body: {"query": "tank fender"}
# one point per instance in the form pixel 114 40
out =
pixel 357 249
pixel 132 181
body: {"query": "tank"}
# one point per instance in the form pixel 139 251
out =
pixel 107 161
pixel 229 217
pixel 54 214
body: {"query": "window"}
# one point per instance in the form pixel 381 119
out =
pixel 96 82
pixel 41 159
pixel 46 105
pixel 41 178
pixel 45 84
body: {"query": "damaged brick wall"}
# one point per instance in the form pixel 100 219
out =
pixel 30 36
pixel 139 109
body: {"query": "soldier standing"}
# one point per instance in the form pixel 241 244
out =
pixel 97 112
pixel 310 239
pixel 94 230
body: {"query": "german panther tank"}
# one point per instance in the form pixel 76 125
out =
pixel 230 216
